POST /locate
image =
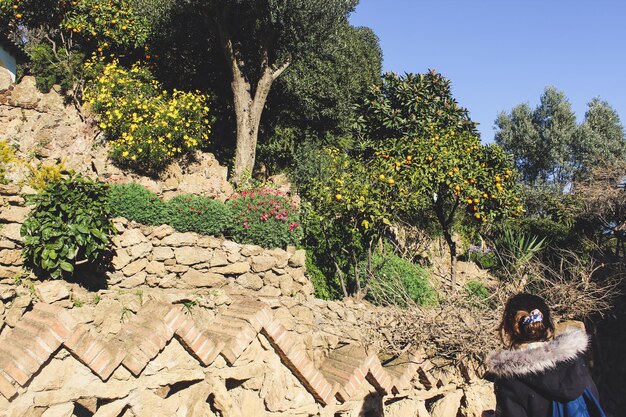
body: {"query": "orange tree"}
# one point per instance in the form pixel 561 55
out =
pixel 60 35
pixel 346 212
pixel 428 158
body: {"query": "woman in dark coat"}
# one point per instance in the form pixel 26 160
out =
pixel 537 368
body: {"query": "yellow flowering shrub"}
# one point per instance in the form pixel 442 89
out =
pixel 7 155
pixel 41 175
pixel 148 127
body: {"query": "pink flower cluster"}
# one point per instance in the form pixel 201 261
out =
pixel 263 204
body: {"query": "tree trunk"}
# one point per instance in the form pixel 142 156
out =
pixel 248 102
pixel 445 221
pixel 452 245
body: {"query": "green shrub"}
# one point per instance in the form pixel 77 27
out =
pixel 397 281
pixel 135 202
pixel 323 287
pixel 194 213
pixel 477 292
pixel 68 226
pixel 485 259
pixel 265 217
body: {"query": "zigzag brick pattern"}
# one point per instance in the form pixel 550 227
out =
pixel 30 344
pixel 42 331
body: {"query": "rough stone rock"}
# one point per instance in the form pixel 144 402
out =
pixel 141 250
pixel 479 397
pixel 237 268
pixel 448 405
pixel 7 294
pixel 298 259
pixel 282 257
pixel 287 285
pixel 271 278
pixel 135 267
pixel 14 214
pixel 209 242
pixel 155 268
pixel 6 244
pixel 11 231
pixel 52 291
pixel 251 250
pixel 11 257
pixel 233 257
pixel 262 263
pixel 180 239
pixel 132 237
pixel 162 231
pixel 134 280
pixel 108 316
pixel 5 79
pixel 17 309
pixel 195 278
pixel 250 281
pixel 121 259
pixel 299 276
pixel 25 94
pixel 231 247
pixel 192 255
pixel 269 291
pixel 161 253
pixel 220 258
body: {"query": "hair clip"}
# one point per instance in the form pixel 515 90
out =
pixel 534 317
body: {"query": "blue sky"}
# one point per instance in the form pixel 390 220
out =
pixel 499 53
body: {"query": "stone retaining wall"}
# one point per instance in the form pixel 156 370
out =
pixel 208 352
pixel 162 257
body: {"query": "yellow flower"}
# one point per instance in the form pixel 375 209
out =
pixel 125 154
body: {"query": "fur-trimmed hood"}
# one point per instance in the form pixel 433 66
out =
pixel 523 362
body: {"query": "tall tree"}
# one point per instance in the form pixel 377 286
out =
pixel 548 145
pixel 422 145
pixel 601 139
pixel 540 139
pixel 314 100
pixel 260 39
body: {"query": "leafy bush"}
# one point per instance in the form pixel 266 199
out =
pixel 69 226
pixel 324 289
pixel 135 202
pixel 396 281
pixel 194 213
pixel 148 126
pixel 265 217
pixel 486 259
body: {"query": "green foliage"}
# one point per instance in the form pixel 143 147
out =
pixel 135 202
pixel 516 250
pixel 195 213
pixel 485 259
pixel 43 174
pixel 265 217
pixel 63 67
pixel 68 226
pixel 410 105
pixel 148 126
pixel 324 289
pixel 548 145
pixel 477 292
pixel 392 280
pixel 313 101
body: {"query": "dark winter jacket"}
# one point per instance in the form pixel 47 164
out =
pixel 528 380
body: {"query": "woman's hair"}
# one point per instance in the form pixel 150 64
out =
pixel 526 319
